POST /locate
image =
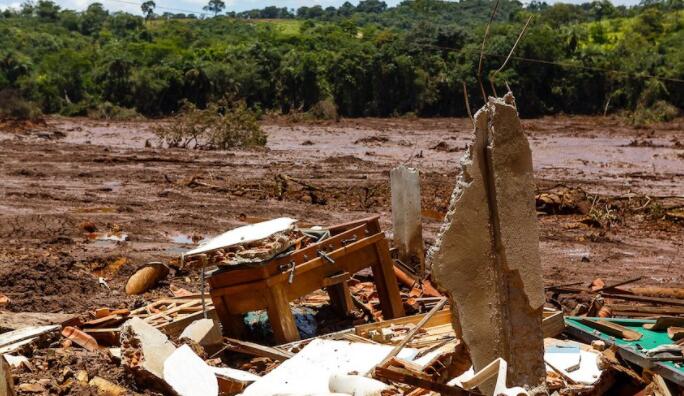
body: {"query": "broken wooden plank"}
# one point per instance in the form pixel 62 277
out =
pixel 656 291
pixel 251 348
pixel 553 324
pixel 407 377
pixel 657 300
pixel 611 328
pixel 675 333
pixel 395 351
pixel 664 322
pixel 440 318
pixel 656 311
pixel 13 340
pixel 621 283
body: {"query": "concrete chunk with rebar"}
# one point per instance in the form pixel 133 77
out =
pixel 487 254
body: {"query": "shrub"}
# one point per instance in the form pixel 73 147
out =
pixel 14 107
pixel 660 111
pixel 109 111
pixel 216 127
pixel 325 110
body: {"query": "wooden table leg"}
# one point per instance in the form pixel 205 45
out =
pixel 233 325
pixel 280 315
pixel 340 298
pixel 386 283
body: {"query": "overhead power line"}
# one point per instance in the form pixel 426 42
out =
pixel 568 65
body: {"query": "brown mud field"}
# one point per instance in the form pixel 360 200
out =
pixel 84 201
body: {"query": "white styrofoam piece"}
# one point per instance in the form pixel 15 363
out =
pixel 308 372
pixel 562 357
pixel 245 234
pixel 239 375
pixel 356 385
pixel 587 373
pixel 189 375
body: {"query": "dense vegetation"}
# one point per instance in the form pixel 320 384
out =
pixel 364 60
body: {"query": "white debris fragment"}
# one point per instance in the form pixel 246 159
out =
pixel 189 375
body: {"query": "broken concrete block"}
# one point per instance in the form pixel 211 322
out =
pixel 406 217
pixel 6 381
pixel 144 350
pixel 487 254
pixel 189 375
pixel 204 332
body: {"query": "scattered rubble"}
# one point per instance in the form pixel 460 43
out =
pixel 380 326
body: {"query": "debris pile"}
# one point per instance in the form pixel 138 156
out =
pixel 345 313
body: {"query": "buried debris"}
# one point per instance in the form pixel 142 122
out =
pixel 146 277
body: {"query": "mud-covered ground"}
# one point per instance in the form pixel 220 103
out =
pixel 67 189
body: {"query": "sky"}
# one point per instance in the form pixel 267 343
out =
pixel 195 6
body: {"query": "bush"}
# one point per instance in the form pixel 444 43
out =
pixel 660 111
pixel 109 111
pixel 14 107
pixel 325 110
pixel 217 127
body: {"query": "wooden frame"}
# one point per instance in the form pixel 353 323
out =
pixel 326 264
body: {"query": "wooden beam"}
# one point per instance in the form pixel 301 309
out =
pixel 407 377
pixel 280 315
pixel 386 282
pixel 657 300
pixel 553 324
pixel 646 309
pixel 254 349
pixel 614 285
pixel 613 329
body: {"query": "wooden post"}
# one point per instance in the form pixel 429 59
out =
pixel 406 217
pixel 280 315
pixel 386 282
pixel 340 298
pixel 232 325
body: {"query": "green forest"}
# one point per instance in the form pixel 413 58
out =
pixel 358 60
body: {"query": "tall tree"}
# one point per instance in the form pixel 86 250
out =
pixel 215 6
pixel 148 8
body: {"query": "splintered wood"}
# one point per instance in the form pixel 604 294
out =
pixel 170 315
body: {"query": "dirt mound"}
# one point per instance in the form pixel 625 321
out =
pixel 49 286
pixel 38 227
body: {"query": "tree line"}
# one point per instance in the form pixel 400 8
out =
pixel 365 60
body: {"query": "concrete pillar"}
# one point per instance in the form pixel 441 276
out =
pixel 487 254
pixel 406 217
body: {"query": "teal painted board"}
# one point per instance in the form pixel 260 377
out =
pixel 650 339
